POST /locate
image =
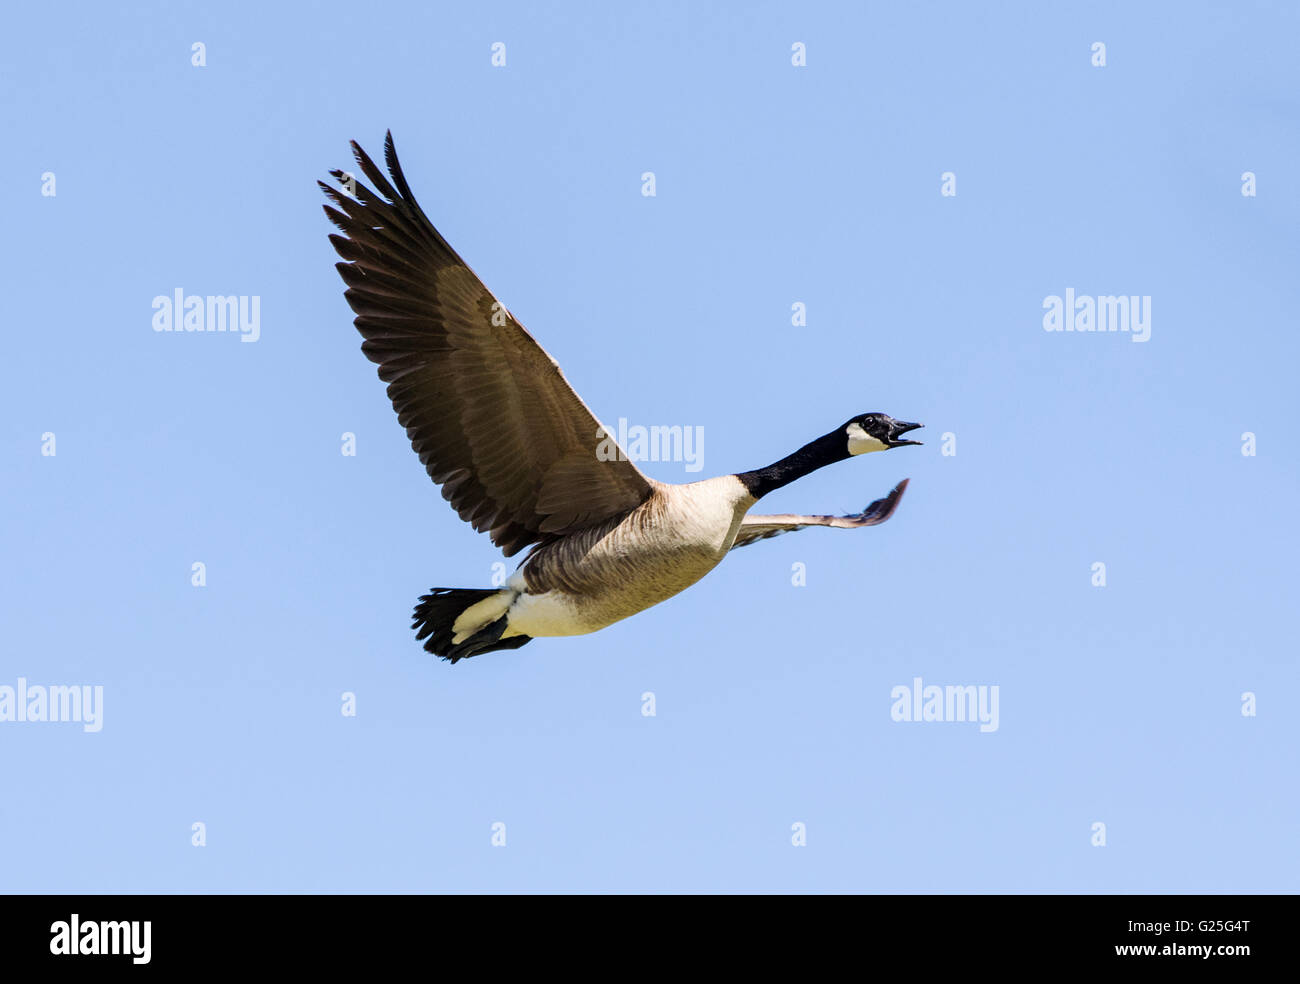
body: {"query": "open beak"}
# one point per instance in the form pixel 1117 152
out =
pixel 902 427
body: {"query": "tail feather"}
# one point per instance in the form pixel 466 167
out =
pixel 437 613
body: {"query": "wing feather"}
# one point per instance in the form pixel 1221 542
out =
pixel 755 528
pixel 487 410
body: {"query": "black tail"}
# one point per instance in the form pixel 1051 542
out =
pixel 440 608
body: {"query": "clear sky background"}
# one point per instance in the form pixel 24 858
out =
pixel 1119 705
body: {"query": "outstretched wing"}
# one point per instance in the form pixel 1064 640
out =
pixel 491 416
pixel 755 528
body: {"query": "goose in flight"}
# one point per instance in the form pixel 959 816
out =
pixel 514 448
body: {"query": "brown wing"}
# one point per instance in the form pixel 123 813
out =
pixel 755 528
pixel 487 410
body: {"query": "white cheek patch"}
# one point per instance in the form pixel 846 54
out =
pixel 860 442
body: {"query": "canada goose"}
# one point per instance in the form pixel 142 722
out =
pixel 499 428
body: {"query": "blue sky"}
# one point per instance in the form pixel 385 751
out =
pixel 775 184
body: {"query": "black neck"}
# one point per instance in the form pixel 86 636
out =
pixel 824 451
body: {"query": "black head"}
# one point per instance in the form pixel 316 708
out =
pixel 877 432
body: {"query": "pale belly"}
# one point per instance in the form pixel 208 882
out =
pixel 560 613
pixel 599 579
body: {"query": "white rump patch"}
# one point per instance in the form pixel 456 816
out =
pixel 480 614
